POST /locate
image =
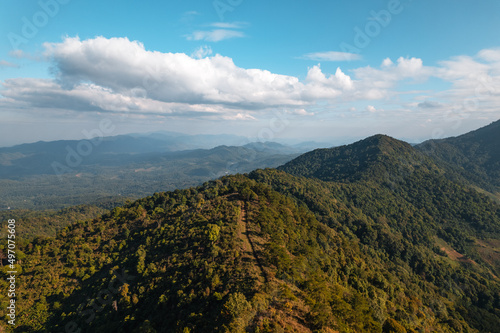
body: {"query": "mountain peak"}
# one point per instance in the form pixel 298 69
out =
pixel 372 156
pixel 474 155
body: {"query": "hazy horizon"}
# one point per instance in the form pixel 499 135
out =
pixel 323 71
pixel 242 140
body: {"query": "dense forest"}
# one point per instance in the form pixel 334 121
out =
pixel 475 155
pixel 28 180
pixel 377 236
pixel 43 223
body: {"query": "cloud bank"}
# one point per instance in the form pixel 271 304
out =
pixel 119 75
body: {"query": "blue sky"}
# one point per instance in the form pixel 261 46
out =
pixel 324 70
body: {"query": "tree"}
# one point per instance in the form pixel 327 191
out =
pixel 213 233
pixel 392 326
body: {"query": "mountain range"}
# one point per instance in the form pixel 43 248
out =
pixel 54 175
pixel 375 236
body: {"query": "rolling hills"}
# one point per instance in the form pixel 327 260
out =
pixel 376 236
pixel 54 175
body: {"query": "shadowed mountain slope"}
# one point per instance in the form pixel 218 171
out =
pixel 475 156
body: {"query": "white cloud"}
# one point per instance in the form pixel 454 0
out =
pixel 389 73
pixel 216 35
pixel 239 116
pixel 126 68
pixel 322 87
pixel 228 25
pixel 490 55
pixel 387 63
pixel 202 52
pixel 222 31
pixel 339 80
pixel 4 63
pixel 302 112
pixel 462 67
pixel 379 83
pixel 331 56
pixel 19 54
pixel 475 82
pixel 119 75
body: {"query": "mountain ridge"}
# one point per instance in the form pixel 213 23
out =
pixel 475 156
pixel 374 156
pixel 375 236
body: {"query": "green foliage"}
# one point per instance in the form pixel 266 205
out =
pixel 473 157
pixel 213 232
pixel 47 222
pixel 354 246
pixel 392 326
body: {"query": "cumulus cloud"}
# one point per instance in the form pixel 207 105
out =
pixel 389 73
pixel 119 75
pixel 323 87
pixel 301 112
pixel 202 52
pixel 490 55
pixel 475 81
pixel 379 83
pixel 462 67
pixel 331 56
pixel 48 94
pixel 387 63
pixel 122 65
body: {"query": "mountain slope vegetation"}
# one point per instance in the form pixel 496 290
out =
pixel 369 237
pixel 475 156
pixel 177 262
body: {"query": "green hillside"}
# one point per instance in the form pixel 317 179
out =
pixel 369 237
pixel 474 155
pixel 376 157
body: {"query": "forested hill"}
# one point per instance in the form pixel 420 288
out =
pixel 474 155
pixel 235 255
pixel 371 158
pixel 386 177
pixel 369 237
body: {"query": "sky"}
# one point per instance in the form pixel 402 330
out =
pixel 331 71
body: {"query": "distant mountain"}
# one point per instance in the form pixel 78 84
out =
pixel 55 174
pixel 38 158
pixel 273 147
pixel 475 155
pixel 79 155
